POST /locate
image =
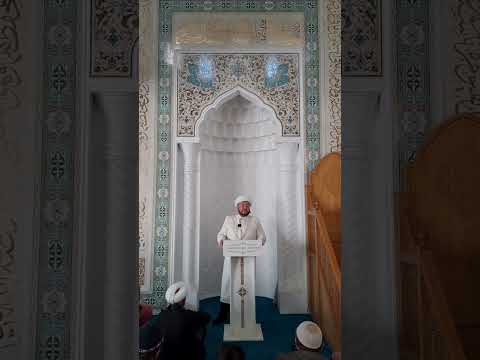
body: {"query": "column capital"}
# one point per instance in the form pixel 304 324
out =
pixel 190 151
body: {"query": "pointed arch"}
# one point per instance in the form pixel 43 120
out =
pixel 230 94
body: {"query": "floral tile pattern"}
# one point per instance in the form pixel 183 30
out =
pixel 466 50
pixel 114 34
pixel 412 74
pixel 362 37
pixel 57 191
pixel 274 78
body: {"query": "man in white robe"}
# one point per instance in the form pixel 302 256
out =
pixel 241 226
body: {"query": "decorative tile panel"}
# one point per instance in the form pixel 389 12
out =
pixel 144 125
pixel 239 29
pixel 466 56
pixel 57 191
pixel 413 74
pixel 114 34
pixel 362 37
pixel 10 54
pixel 334 51
pixel 141 271
pixel 274 78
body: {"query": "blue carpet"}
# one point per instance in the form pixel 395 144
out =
pixel 278 331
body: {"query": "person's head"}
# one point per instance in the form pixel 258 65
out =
pixel 308 336
pixel 230 352
pixel 145 313
pixel 242 203
pixel 177 294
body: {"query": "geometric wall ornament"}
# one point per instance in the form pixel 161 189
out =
pixel 113 37
pixel 10 54
pixel 465 69
pixel 53 304
pixel 272 77
pixel 147 196
pixel 143 120
pixel 141 271
pixel 334 77
pixel 54 293
pixel 196 77
pixel 362 37
pixel 413 75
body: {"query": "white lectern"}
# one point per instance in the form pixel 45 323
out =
pixel 243 325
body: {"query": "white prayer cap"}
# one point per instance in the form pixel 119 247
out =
pixel 309 335
pixel 176 293
pixel 241 198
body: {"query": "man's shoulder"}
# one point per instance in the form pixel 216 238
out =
pixel 198 317
pixel 253 218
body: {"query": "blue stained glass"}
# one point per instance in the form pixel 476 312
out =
pixel 201 74
pixel 276 74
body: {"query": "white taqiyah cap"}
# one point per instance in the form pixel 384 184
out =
pixel 176 292
pixel 241 198
pixel 309 335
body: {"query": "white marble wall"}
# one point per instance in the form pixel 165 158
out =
pixel 111 286
pixel 369 118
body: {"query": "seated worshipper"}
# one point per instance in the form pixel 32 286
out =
pixel 145 313
pixel 149 342
pixel 175 333
pixel 230 352
pixel 241 226
pixel 308 341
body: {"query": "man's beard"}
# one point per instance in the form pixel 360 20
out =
pixel 245 213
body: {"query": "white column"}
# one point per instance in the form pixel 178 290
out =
pixel 119 112
pixel 190 261
pixel 368 241
pixel 291 274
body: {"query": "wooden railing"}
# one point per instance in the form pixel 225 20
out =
pixel 437 336
pixel 324 276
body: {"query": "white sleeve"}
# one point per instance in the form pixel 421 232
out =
pixel 260 233
pixel 222 234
